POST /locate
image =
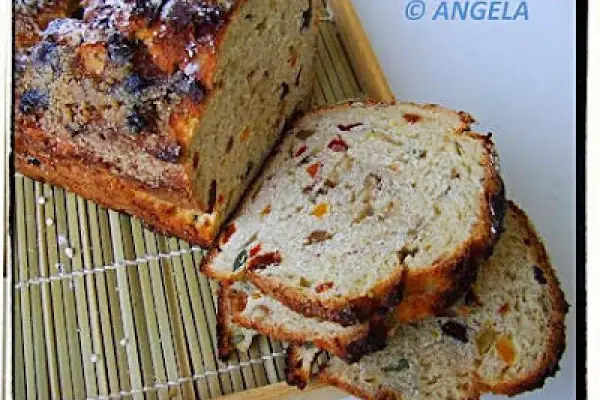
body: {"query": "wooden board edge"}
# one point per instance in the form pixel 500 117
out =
pixel 362 57
pixel 314 391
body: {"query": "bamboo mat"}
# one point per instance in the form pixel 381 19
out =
pixel 106 309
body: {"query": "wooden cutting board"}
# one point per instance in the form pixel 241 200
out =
pixel 315 391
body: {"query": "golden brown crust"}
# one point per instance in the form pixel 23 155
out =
pixel 548 364
pixel 296 372
pixel 120 194
pixel 444 288
pixel 432 290
pixel 224 332
pixel 345 312
pixel 349 346
pixel 466 119
pixel 174 186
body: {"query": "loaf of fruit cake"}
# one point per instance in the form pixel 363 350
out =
pixel 505 336
pixel 363 204
pixel 164 109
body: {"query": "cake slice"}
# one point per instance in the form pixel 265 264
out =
pixel 164 109
pixel 361 202
pixel 506 336
pixel 245 312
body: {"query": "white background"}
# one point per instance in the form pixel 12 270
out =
pixel 517 79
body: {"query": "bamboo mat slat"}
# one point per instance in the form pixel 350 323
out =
pixel 106 309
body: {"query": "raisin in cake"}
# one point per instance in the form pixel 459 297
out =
pixel 164 109
pixel 506 336
pixel 361 203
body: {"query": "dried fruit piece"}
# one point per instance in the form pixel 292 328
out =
pixel 255 250
pixel 348 127
pixel 506 350
pixel 245 134
pixel 400 365
pixel 293 56
pixel 320 210
pixel 285 90
pixel 212 196
pixel 539 276
pixel 298 75
pixel 412 118
pixel 317 237
pixel 313 169
pixel 504 308
pixel 264 260
pixel 338 145
pixel 459 149
pixel 307 17
pixel 485 340
pixel 240 260
pixel 456 330
pixel 266 210
pixel 304 282
pixel 300 151
pixel 324 287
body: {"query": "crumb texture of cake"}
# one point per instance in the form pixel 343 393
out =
pixel 246 312
pixel 505 336
pixel 361 202
pixel 177 102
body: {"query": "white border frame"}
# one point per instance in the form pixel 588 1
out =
pixel 5 252
pixel 592 198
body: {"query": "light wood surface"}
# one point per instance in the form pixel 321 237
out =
pixel 314 391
